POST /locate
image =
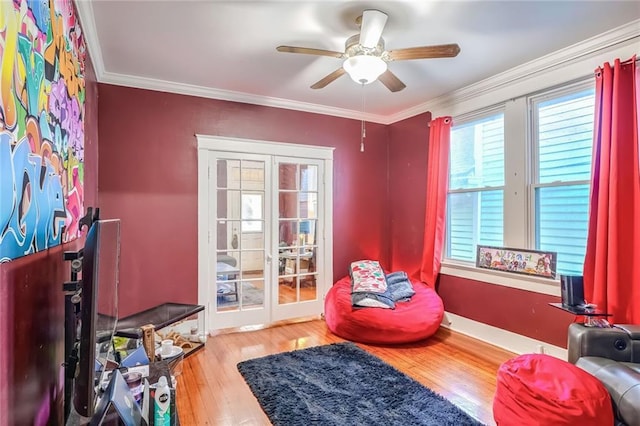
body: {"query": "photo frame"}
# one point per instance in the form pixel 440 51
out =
pixel 519 261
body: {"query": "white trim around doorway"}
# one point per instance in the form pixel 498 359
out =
pixel 206 143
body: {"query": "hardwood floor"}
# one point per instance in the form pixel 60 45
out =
pixel 210 390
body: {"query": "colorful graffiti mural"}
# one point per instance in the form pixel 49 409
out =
pixel 42 92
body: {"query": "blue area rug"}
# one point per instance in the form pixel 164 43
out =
pixel 341 384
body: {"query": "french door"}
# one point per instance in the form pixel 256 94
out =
pixel 264 254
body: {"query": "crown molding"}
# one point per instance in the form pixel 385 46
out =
pixel 226 95
pixel 85 12
pixel 584 49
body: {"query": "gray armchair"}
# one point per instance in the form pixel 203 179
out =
pixel 613 356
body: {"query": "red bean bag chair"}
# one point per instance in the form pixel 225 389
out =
pixel 540 390
pixel 410 321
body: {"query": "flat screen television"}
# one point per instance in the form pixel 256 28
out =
pixel 98 310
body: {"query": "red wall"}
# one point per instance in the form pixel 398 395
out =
pixel 519 311
pixel 34 333
pixel 148 179
pixel 32 309
pixel 408 144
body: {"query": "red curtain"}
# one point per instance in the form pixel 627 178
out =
pixel 436 208
pixel 612 261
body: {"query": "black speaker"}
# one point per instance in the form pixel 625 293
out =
pixel 572 290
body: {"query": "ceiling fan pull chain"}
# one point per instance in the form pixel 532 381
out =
pixel 363 129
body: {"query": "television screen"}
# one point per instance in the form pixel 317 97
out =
pixel 99 310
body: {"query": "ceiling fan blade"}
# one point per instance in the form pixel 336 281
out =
pixel 309 51
pixel 392 82
pixel 373 22
pixel 425 52
pixel 328 79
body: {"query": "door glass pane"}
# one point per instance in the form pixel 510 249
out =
pixel 308 232
pixel 251 226
pixel 307 264
pixel 227 232
pixel 221 203
pixel 287 204
pixel 228 174
pixel 227 296
pixel 308 204
pixel 287 280
pixel 308 287
pixel 252 240
pixel 297 276
pixel 287 233
pixel 252 294
pixel 221 170
pixel 228 204
pixel 227 280
pixel 286 262
pixel 308 177
pixel 252 175
pixel 287 290
pixel 252 264
pixel 282 264
pixel 236 295
pixel 287 176
pixel 227 268
pixel 252 208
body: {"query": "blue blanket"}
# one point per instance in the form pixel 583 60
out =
pixel 400 286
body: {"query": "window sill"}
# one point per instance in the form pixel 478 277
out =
pixel 522 282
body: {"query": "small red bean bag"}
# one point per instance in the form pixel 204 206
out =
pixel 538 389
pixel 410 321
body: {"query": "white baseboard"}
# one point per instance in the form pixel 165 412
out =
pixel 504 339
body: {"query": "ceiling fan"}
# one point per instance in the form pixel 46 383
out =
pixel 365 58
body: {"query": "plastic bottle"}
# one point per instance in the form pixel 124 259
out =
pixel 161 404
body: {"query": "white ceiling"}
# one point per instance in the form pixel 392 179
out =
pixel 226 49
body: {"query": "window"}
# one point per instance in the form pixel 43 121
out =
pixel 523 183
pixel 476 186
pixel 563 137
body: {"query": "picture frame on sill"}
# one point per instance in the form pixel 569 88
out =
pixel 519 261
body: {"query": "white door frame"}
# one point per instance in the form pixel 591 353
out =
pixel 219 143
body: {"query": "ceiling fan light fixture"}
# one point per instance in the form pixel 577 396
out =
pixel 364 69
